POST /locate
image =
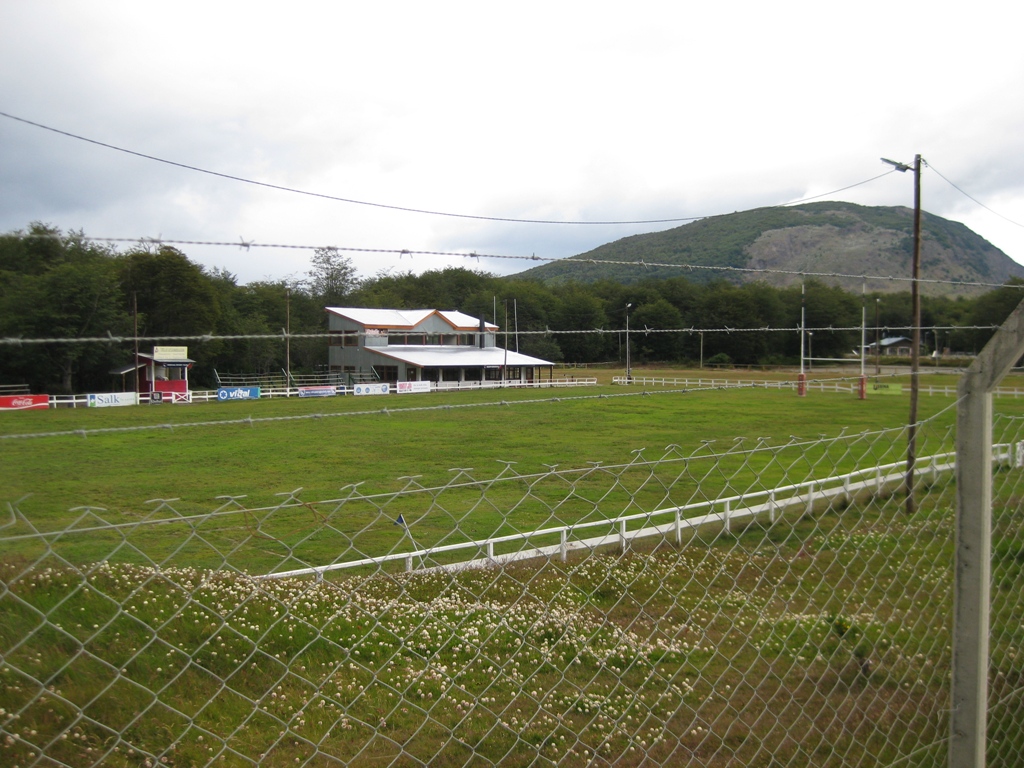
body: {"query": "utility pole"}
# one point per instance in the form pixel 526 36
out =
pixel 915 350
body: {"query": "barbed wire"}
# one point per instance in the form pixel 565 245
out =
pixel 251 421
pixel 737 447
pixel 209 337
pixel 574 260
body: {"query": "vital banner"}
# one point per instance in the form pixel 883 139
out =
pixel 224 394
pixel 405 387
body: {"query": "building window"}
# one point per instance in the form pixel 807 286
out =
pixel 343 339
pixel 449 374
pixel 493 374
pixel 387 373
pixel 513 373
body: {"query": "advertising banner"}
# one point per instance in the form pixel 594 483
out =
pixel 324 391
pixel 371 389
pixel 112 399
pixel 224 394
pixel 173 353
pixel 24 402
pixel 405 387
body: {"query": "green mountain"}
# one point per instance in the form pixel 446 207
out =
pixel 825 240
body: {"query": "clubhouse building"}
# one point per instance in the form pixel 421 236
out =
pixel 396 345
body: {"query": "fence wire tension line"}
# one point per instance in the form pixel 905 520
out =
pixel 759 604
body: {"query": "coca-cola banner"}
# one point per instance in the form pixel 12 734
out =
pixel 24 402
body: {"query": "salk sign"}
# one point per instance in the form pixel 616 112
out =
pixel 111 399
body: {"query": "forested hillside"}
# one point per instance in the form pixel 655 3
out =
pixel 827 238
pixel 63 286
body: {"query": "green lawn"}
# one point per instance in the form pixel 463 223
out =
pixel 356 442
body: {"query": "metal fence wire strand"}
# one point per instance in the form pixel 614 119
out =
pixel 745 603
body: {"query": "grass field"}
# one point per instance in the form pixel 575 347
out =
pixel 820 639
pixel 355 442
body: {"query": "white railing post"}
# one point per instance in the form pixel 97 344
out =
pixel 726 514
pixel 563 544
pixel 622 536
pixel 771 506
pixel 679 527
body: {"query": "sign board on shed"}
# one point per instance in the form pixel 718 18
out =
pixel 170 353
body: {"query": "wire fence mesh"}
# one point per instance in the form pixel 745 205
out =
pixel 520 619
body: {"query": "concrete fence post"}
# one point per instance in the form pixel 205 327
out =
pixel 972 568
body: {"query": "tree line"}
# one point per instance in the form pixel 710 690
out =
pixel 63 286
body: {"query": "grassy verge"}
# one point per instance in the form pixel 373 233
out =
pixel 815 640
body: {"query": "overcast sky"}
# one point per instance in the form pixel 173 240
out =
pixel 565 111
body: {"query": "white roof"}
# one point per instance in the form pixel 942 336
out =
pixel 455 357
pixel 407 318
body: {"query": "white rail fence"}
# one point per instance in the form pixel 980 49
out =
pixel 206 396
pixel 723 511
pixel 820 385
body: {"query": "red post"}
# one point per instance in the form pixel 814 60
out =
pixel 862 388
pixel 801 384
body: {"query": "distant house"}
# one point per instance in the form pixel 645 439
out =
pixel 899 346
pixel 395 345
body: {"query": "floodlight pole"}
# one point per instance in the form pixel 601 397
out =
pixel 862 382
pixel 878 341
pixel 288 339
pixel 915 350
pixel 629 368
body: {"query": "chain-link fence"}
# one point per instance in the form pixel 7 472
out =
pixel 756 605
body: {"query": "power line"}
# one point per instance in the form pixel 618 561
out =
pixel 974 199
pixel 404 209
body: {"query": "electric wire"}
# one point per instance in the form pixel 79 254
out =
pixel 404 209
pixel 974 199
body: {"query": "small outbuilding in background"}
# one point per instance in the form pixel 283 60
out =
pixel 162 374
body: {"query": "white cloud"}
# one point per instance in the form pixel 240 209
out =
pixel 556 110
